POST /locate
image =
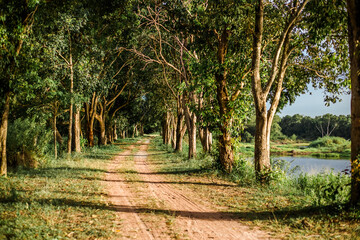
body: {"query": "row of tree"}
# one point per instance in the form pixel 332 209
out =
pixel 196 66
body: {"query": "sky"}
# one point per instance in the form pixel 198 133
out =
pixel 314 105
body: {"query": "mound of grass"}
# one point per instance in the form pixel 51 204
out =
pixel 329 142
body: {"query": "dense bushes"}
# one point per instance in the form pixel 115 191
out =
pixel 329 142
pixel 28 141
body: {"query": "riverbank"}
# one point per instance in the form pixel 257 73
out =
pixel 291 208
pixel 302 148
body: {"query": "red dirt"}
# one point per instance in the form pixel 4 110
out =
pixel 173 215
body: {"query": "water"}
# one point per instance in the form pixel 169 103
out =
pixel 311 165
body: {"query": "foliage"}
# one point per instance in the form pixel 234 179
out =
pixel 29 140
pixel 330 142
pixel 311 128
pixel 326 189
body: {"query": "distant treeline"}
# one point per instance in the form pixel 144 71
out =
pixel 304 127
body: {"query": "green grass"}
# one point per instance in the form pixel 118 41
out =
pixel 291 208
pixel 327 147
pixel 62 200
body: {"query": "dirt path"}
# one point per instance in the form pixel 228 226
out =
pixel 171 214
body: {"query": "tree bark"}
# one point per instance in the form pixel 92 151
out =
pixel 191 127
pixel 180 131
pixel 90 112
pixel 101 118
pixel 54 128
pixel 174 131
pixel 226 154
pixel 206 139
pixel 102 140
pixel 353 7
pixel 262 141
pixel 3 134
pixel 115 131
pixel 71 104
pixel 77 130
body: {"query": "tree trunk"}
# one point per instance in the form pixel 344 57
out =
pixel 77 130
pixel 115 131
pixel 71 105
pixel 174 132
pixel 262 142
pixel 226 156
pixel 102 135
pixel 90 112
pixel 191 126
pixel 54 129
pixel 225 150
pixel 353 7
pixel 261 91
pixel 167 129
pixel 192 138
pixel 3 135
pixel 180 131
pixel 205 138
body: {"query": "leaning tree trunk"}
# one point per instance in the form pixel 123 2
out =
pixel 3 135
pixel 77 130
pixel 353 7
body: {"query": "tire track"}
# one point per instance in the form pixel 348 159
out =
pixel 195 220
pixel 129 223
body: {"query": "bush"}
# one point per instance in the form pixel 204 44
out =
pixel 325 189
pixel 329 142
pixel 28 140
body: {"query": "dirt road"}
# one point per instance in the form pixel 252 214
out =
pixel 148 206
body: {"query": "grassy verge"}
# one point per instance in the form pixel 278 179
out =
pixel 301 148
pixel 305 207
pixel 63 200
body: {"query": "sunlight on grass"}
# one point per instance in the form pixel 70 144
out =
pixel 64 199
pixel 292 208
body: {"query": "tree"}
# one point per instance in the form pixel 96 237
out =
pixel 353 7
pixel 17 20
pixel 300 53
pixel 222 71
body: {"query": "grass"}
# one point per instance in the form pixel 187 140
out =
pixel 64 199
pixel 327 147
pixel 305 207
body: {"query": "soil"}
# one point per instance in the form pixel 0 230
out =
pixel 149 206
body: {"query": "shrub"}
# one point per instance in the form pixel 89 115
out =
pixel 329 142
pixel 325 189
pixel 28 140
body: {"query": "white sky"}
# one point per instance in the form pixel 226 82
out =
pixel 314 105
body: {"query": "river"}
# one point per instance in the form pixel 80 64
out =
pixel 311 165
